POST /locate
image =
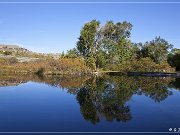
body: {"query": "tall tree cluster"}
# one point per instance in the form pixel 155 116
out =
pixel 87 44
pixel 110 44
pixel 157 49
pixel 105 44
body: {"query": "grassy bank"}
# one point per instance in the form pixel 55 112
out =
pixel 141 65
pixel 66 66
pixel 51 66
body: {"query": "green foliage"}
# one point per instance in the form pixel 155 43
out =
pixel 140 65
pixel 175 51
pixel 7 53
pixel 106 44
pixel 147 65
pixel 174 60
pixel 114 41
pixel 90 62
pixel 143 65
pixel 101 59
pixel 123 51
pixel 1 52
pixel 62 55
pixel 157 49
pixel 109 47
pixel 115 32
pixel 87 42
pixel 138 51
pixel 72 53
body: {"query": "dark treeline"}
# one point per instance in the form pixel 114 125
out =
pixel 109 47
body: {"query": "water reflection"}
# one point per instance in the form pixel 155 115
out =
pixel 175 84
pixel 107 97
pixel 104 97
pixel 69 82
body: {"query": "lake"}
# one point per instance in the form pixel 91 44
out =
pixel 89 104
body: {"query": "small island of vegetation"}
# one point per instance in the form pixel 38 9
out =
pixel 100 48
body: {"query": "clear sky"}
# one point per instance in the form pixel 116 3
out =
pixel 56 27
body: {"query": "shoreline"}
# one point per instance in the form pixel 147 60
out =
pixel 154 74
pixel 97 73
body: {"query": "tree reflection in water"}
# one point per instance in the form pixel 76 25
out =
pixel 104 97
pixel 99 98
pixel 107 97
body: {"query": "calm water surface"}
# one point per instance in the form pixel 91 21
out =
pixel 107 103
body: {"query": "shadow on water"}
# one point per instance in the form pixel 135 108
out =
pixel 104 97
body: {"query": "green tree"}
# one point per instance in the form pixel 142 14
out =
pixel 106 44
pixel 101 59
pixel 123 50
pixel 115 42
pixel 87 45
pixel 114 32
pixel 62 55
pixel 138 50
pixel 157 49
pixel 175 50
pixel 174 60
pixel 72 53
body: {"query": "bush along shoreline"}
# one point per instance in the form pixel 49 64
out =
pixel 47 67
pixel 77 66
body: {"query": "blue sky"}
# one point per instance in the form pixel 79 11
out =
pixel 56 27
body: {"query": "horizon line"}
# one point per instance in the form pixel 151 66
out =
pixel 90 2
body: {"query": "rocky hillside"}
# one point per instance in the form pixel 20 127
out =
pixel 19 53
pixel 16 53
pixel 12 48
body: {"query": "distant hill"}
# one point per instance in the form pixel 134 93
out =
pixel 22 54
pixel 12 48
pixel 9 46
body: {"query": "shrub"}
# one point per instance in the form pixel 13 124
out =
pixel 141 65
pixel 12 60
pixel 62 66
pixel 147 65
pixel 40 72
pixel 7 53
